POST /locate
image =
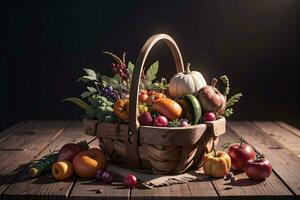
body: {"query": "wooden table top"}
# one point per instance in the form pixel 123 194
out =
pixel 30 140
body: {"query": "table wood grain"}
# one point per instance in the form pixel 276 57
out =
pixel 30 140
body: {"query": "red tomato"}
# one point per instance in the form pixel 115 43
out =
pixel 259 169
pixel 240 153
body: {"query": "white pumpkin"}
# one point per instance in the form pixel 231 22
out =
pixel 187 82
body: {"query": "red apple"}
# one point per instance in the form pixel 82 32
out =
pixel 161 121
pixel 259 169
pixel 240 153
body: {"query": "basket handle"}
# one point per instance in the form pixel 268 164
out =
pixel 134 88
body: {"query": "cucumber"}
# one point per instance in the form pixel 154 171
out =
pixel 191 108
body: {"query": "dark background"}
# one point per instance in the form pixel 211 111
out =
pixel 44 45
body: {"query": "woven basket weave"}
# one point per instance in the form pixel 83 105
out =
pixel 155 149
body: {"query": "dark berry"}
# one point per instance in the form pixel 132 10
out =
pixel 109 87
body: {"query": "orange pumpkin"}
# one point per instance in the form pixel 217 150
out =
pixel 121 109
pixel 167 107
pixel 87 163
pixel 151 99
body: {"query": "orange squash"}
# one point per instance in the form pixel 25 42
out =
pixel 151 99
pixel 121 109
pixel 167 107
pixel 87 163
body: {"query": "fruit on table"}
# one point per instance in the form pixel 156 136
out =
pixel 99 174
pixel 87 163
pixel 69 151
pixel 228 176
pixel 130 180
pixel 187 82
pixel 143 96
pixel 161 121
pixel 209 116
pixel 146 119
pixel 240 154
pixel 167 107
pixel 43 165
pixel 62 170
pixel 107 177
pixel 191 108
pixel 121 109
pixel 211 99
pixel 154 97
pixel 217 164
pixel 259 169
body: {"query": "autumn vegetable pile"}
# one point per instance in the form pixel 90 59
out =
pixel 186 100
pixel 240 157
pixel 79 159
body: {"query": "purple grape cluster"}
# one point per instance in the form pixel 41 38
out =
pixel 120 69
pixel 108 91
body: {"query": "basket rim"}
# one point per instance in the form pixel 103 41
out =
pixel 205 123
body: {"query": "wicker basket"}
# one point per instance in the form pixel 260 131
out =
pixel 155 149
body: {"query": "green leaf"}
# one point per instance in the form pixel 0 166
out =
pixel 130 67
pixel 90 73
pixel 91 89
pixel 111 81
pixel 78 102
pixel 86 94
pixel 117 78
pixel 86 79
pixel 142 86
pixel 152 71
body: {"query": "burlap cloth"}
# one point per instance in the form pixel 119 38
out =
pixel 147 180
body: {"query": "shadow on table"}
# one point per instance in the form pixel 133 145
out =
pixel 245 182
pixel 115 185
pixel 7 179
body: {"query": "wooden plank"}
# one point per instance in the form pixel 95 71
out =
pixel 17 158
pixel 281 135
pixel 289 128
pixel 34 136
pixel 45 186
pixel 245 188
pixel 92 189
pixel 203 188
pixel 179 191
pixel 12 163
pixel 284 162
pixel 13 128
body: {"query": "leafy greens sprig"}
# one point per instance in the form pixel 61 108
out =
pixel 232 100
